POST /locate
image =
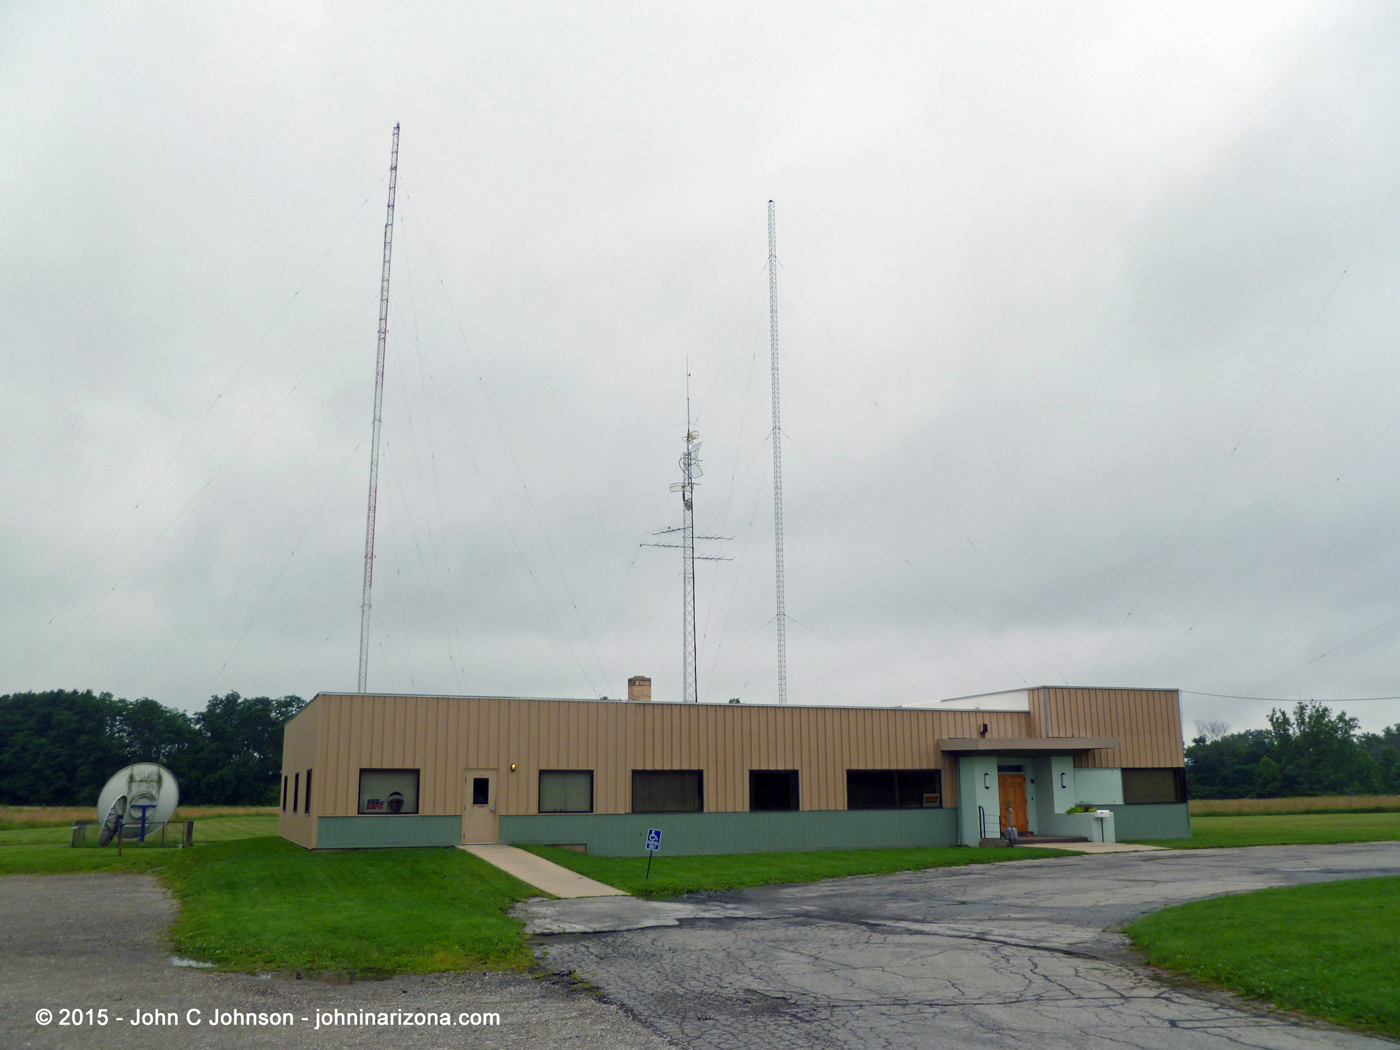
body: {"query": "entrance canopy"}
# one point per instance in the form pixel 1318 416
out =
pixel 1056 745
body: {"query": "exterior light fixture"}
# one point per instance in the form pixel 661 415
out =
pixel 986 780
pixel 512 767
pixel 1062 781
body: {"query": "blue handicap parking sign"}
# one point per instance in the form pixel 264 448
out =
pixel 653 838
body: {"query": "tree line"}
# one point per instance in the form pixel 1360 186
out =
pixel 1309 752
pixel 58 748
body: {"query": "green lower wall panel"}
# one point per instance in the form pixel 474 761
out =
pixel 378 832
pixel 1170 820
pixel 624 834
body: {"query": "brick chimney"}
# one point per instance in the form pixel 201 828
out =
pixel 639 688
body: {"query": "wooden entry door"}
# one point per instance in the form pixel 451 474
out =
pixel 1011 787
pixel 479 809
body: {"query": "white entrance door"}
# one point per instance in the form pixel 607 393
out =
pixel 479 814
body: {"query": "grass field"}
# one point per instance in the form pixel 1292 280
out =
pixel 12 817
pixel 46 850
pixel 672 876
pixel 1329 949
pixel 1241 807
pixel 250 901
pixel 266 904
pixel 1286 829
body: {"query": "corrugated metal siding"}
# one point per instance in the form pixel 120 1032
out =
pixel 445 736
pixel 301 750
pixel 1147 723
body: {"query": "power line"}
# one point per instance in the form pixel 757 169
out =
pixel 186 440
pixel 1268 395
pixel 947 505
pixel 296 547
pixel 1291 699
pixel 1267 550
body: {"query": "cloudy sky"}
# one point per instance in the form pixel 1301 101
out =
pixel 1089 347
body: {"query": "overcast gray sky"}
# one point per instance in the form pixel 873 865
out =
pixel 1088 320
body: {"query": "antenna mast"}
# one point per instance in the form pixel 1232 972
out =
pixel 777 454
pixel 690 473
pixel 378 412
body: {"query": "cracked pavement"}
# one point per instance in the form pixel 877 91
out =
pixel 1024 955
pixel 98 942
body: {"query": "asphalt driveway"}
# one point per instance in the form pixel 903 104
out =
pixel 96 942
pixel 1016 955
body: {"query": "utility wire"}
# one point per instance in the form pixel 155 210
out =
pixel 947 506
pixel 500 427
pixel 1291 699
pixel 858 656
pixel 295 547
pixel 1268 395
pixel 1277 540
pixel 193 499
pixel 197 424
pixel 471 458
pixel 914 568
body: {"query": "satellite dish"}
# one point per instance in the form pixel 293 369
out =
pixel 151 794
pixel 113 820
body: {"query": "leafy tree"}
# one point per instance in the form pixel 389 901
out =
pixel 237 758
pixel 57 748
pixel 1225 767
pixel 1316 753
pixel 1384 749
pixel 151 732
pixel 1308 751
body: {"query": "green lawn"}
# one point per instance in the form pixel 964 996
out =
pixel 1330 949
pixel 672 876
pixel 266 904
pixel 47 850
pixel 1284 829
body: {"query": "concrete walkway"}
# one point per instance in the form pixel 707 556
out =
pixel 1099 847
pixel 540 873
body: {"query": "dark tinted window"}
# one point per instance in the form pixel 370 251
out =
pixel 481 791
pixel 1146 786
pixel 285 780
pixel 566 791
pixel 668 791
pixel 894 788
pixel 870 789
pixel 919 788
pixel 308 791
pixel 296 791
pixel 773 789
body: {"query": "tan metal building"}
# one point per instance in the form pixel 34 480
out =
pixel 364 770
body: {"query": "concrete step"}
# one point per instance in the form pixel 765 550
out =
pixel 1036 840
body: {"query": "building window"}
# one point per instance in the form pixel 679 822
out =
pixel 388 791
pixel 308 791
pixel 772 789
pixel 285 780
pixel 566 791
pixel 894 788
pixel 1147 786
pixel 296 791
pixel 481 791
pixel 668 791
